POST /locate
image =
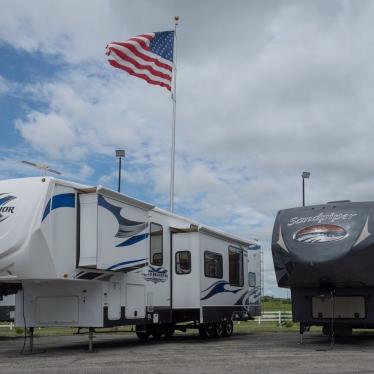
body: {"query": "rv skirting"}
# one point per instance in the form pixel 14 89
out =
pixel 167 315
pixel 219 313
pixel 163 316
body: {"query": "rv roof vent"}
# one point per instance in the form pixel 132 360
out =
pixel 339 201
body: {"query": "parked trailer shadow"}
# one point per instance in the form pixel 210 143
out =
pixel 76 344
pixel 359 339
pixel 79 343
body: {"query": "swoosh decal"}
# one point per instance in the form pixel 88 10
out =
pixel 218 287
pixel 133 240
pixel 122 265
pixel 65 200
pixel 126 227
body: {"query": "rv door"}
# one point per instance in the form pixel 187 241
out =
pixel 185 272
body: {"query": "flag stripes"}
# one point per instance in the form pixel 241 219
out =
pixel 147 56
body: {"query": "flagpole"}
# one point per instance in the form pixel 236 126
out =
pixel 174 99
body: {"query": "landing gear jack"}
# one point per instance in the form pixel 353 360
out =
pixel 31 350
pixel 302 330
pixel 90 339
pixel 31 339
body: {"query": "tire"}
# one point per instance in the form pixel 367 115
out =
pixel 168 331
pixel 156 332
pixel 207 330
pixel 339 330
pixel 228 328
pixel 326 330
pixel 142 332
pixel 219 330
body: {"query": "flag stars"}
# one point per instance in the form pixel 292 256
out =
pixel 162 44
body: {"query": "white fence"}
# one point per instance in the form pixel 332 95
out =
pixel 10 326
pixel 281 317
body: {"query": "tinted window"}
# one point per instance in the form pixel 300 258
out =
pixel 212 265
pixel 156 243
pixel 252 279
pixel 236 277
pixel 183 262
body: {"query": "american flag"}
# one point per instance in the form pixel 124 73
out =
pixel 147 56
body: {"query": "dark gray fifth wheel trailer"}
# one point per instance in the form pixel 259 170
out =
pixel 325 255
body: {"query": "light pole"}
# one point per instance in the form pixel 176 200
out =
pixel 305 175
pixel 120 153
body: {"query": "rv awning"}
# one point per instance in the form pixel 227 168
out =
pixel 118 196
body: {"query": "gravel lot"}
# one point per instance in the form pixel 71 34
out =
pixel 244 353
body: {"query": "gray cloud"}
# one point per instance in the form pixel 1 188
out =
pixel 265 91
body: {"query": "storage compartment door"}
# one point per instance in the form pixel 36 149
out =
pixel 114 300
pixel 61 310
pixel 348 307
pixel 135 301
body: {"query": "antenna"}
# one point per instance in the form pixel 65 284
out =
pixel 46 169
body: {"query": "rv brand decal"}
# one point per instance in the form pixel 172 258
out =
pixel 156 275
pixel 332 217
pixel 5 209
pixel 320 234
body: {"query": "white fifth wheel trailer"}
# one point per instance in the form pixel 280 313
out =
pixel 90 257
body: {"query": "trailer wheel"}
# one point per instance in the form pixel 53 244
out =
pixel 219 330
pixel 207 330
pixel 156 332
pixel 143 332
pixel 339 330
pixel 168 331
pixel 228 328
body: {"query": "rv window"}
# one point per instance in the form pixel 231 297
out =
pixel 156 244
pixel 236 276
pixel 212 265
pixel 252 279
pixel 183 262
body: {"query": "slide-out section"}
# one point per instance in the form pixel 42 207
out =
pixel 114 231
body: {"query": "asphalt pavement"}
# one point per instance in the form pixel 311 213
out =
pixel 242 353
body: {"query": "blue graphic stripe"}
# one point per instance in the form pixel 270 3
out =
pixel 125 263
pixel 218 287
pixel 116 211
pixel 254 247
pixel 65 200
pixel 133 240
pixel 6 199
pixel 159 270
pixel 127 228
pixel 241 299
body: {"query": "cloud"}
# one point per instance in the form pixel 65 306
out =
pixel 48 133
pixel 4 86
pixel 74 30
pixel 265 91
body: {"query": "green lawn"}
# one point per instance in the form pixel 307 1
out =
pixel 241 328
pixel 270 304
pixel 55 331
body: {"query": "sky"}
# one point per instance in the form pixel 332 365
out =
pixel 265 90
